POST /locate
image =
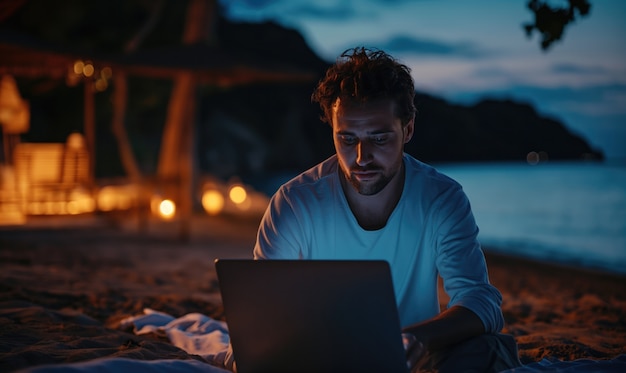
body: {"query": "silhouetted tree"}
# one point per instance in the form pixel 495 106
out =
pixel 550 21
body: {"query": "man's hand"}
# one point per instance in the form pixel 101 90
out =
pixel 415 351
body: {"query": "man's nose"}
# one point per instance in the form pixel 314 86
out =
pixel 363 153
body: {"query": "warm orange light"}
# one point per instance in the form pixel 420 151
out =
pixel 245 205
pixel 78 67
pixel 60 208
pixel 75 141
pixel 106 72
pixel 115 197
pixel 80 202
pixel 167 209
pixel 14 111
pixel 107 198
pixel 101 85
pixel 238 194
pixel 36 208
pixel 124 202
pixel 88 69
pixel 212 201
pixel 73 208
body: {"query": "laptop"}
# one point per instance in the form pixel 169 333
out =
pixel 311 315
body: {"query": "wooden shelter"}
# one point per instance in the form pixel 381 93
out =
pixel 196 61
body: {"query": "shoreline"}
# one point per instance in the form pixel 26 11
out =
pixel 616 268
pixel 557 271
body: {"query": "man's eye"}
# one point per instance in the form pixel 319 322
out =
pixel 348 140
pixel 379 139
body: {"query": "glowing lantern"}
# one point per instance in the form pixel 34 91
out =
pixel 212 201
pixel 106 72
pixel 107 198
pixel 162 207
pixel 240 197
pixel 238 194
pixel 88 69
pixel 78 67
pixel 75 141
pixel 167 209
pixel 101 85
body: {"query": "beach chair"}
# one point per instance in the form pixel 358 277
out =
pixel 52 177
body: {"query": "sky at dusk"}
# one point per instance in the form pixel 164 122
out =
pixel 464 50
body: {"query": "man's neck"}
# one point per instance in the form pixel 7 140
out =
pixel 372 212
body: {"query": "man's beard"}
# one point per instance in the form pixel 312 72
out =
pixel 369 189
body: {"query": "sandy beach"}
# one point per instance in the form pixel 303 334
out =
pixel 65 284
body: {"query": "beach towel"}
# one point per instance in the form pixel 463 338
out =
pixel 122 365
pixel 194 333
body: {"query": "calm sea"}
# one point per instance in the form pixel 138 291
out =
pixel 567 212
pixel 572 213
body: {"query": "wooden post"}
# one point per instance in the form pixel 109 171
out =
pixel 186 167
pixel 90 126
pixel 176 153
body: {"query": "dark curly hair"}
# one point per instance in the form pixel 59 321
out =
pixel 361 75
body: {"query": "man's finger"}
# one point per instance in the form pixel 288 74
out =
pixel 415 353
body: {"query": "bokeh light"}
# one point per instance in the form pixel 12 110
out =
pixel 107 198
pixel 88 69
pixel 167 209
pixel 106 72
pixel 237 194
pixel 78 67
pixel 75 141
pixel 534 158
pixel 212 201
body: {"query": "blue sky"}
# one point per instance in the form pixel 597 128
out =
pixel 465 50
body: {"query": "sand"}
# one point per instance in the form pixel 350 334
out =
pixel 65 284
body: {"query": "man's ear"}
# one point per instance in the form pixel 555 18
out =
pixel 409 129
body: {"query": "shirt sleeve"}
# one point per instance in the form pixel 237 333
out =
pixel 461 262
pixel 280 234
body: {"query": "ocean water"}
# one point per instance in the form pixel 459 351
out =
pixel 571 213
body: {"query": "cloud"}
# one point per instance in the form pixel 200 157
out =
pixel 509 72
pixel 492 71
pixel 282 10
pixel 570 68
pixel 332 12
pixel 251 4
pixel 410 45
pixel 600 100
pixel 391 2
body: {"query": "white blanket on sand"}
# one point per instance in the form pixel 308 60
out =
pixel 201 335
pixel 194 333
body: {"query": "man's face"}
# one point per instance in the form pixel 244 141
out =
pixel 369 140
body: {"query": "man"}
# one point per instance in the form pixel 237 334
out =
pixel 372 201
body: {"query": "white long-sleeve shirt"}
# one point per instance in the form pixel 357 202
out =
pixel 431 231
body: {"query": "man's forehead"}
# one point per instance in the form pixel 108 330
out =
pixel 373 117
pixel 380 106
